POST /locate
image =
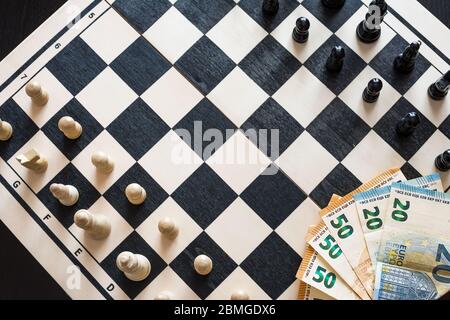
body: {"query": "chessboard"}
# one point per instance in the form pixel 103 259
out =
pixel 142 75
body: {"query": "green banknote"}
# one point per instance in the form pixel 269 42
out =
pixel 414 254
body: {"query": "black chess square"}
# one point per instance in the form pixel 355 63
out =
pixel 136 214
pixel 204 14
pixel 273 196
pixel 333 19
pixel 340 181
pixel 445 127
pixel 135 244
pixel 69 176
pixel 272 265
pixel 12 113
pixel 204 196
pixel 268 22
pixel 272 116
pixel 203 118
pixel 270 65
pixel 141 14
pixel 140 65
pixel 383 63
pixel 76 66
pixel 335 81
pixel 91 129
pixel 410 172
pixel 223 265
pixel 205 65
pixel 338 129
pixel 138 129
pixel 406 146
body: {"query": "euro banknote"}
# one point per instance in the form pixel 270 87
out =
pixel 307 292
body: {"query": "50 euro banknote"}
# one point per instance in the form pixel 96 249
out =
pixel 414 254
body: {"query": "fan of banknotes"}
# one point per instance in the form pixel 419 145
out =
pixel 387 240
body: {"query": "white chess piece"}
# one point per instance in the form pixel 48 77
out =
pixel 240 295
pixel 168 228
pixel 163 296
pixel 71 129
pixel 66 194
pixel 136 267
pixel 98 226
pixel 6 130
pixel 103 162
pixel 38 95
pixel 135 194
pixel 203 265
pixel 33 160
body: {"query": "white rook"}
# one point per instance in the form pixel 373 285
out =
pixel 98 226
pixel 136 267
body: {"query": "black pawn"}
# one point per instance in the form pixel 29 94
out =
pixel 270 7
pixel 369 30
pixel 443 161
pixel 335 61
pixel 301 30
pixel 406 60
pixel 372 91
pixel 408 124
pixel 439 89
pixel 333 4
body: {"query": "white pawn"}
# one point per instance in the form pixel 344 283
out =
pixel 168 228
pixel 240 295
pixel 136 267
pixel 163 296
pixel 135 194
pixel 5 130
pixel 38 95
pixel 66 194
pixel 71 129
pixel 98 226
pixel 33 160
pixel 103 162
pixel 203 265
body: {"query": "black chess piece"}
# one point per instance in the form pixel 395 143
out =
pixel 369 30
pixel 406 60
pixel 301 30
pixel 335 61
pixel 439 89
pixel 333 4
pixel 408 124
pixel 372 91
pixel 443 161
pixel 270 7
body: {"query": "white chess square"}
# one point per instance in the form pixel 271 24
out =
pixel 367 51
pixel 372 156
pixel 120 230
pixel 424 159
pixel 291 293
pixel 293 230
pixel 168 282
pixel 56 162
pixel 109 36
pixel 59 96
pixel 238 162
pixel 304 96
pixel 371 113
pixel 106 97
pixel 307 162
pixel 172 97
pixel 318 34
pixel 238 280
pixel 107 144
pixel 173 34
pixel 170 162
pixel 166 248
pixel 435 110
pixel 237 34
pixel 238 96
pixel 238 230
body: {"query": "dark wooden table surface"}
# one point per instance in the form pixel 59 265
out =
pixel 23 277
